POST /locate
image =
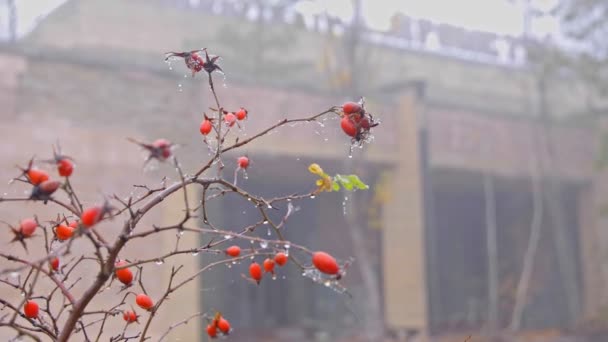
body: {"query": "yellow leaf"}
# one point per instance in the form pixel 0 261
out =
pixel 315 169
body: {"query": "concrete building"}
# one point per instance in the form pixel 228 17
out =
pixel 460 129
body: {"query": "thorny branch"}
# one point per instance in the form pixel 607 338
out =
pixel 104 251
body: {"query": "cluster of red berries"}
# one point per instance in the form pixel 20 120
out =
pixel 356 121
pixel 218 323
pixel 255 270
pixel 43 185
pixel 230 118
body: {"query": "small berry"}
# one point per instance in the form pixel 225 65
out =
pixel 36 176
pixel 233 251
pixel 241 114
pixel 124 275
pixel 63 232
pixel 206 127
pixel 255 271
pixel 230 119
pixel 212 330
pixel 55 264
pixel 91 216
pixel 65 167
pixel 243 162
pixel 30 309
pixel 348 126
pixel 351 107
pixel 44 190
pixel 325 263
pixel 162 148
pixel 144 301
pixel 130 316
pixel 280 258
pixel 27 227
pixel 223 325
pixel 269 265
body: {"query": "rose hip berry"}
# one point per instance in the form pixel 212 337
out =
pixel 206 127
pixel 280 258
pixel 212 330
pixel 233 251
pixel 223 325
pixel 243 162
pixel 325 263
pixel 241 114
pixel 351 107
pixel 30 309
pixel 255 271
pixel 65 167
pixel 144 301
pixel 269 265
pixel 27 227
pixel 54 264
pixel 63 232
pixel 348 126
pixel 129 316
pixel 124 275
pixel 230 119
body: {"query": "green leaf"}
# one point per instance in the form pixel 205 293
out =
pixel 335 186
pixel 344 181
pixel 354 179
pixel 350 182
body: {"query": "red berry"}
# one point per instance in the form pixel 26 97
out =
pixel 241 114
pixel 124 275
pixel 144 301
pixel 243 162
pixel 163 148
pixel 233 251
pixel 63 232
pixel 351 107
pixel 255 271
pixel 212 330
pixel 206 127
pixel 55 264
pixel 91 216
pixel 44 190
pixel 269 265
pixel 280 258
pixel 230 119
pixel 30 309
pixel 325 263
pixel 130 316
pixel 65 167
pixel 27 227
pixel 348 126
pixel 36 176
pixel 195 62
pixel 223 325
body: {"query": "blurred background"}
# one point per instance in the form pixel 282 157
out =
pixel 488 191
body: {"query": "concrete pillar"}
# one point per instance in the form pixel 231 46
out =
pixel 405 288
